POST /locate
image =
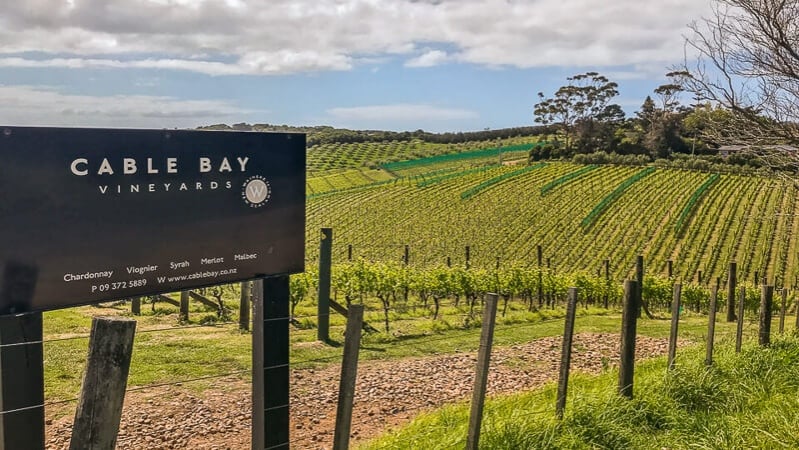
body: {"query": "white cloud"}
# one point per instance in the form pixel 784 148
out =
pixel 262 37
pixel 428 59
pixel 401 113
pixel 46 106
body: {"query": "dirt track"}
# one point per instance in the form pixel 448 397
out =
pixel 388 393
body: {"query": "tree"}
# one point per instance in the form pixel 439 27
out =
pixel 748 64
pixel 661 121
pixel 582 111
pixel 647 114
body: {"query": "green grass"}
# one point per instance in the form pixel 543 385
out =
pixel 746 400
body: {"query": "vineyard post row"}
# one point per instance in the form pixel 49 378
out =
pixel 542 292
pixel 633 303
pixel 603 270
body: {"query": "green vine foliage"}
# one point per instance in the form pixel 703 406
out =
pixel 613 196
pixel 566 178
pixel 474 190
pixel 690 205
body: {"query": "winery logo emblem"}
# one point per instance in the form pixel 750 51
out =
pixel 256 191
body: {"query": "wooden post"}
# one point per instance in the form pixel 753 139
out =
pixel 244 305
pixel 607 282
pixel 639 277
pixel 449 261
pixel 540 253
pixel 349 252
pixel 270 364
pixel 550 295
pixel 766 300
pixel 670 268
pixel 675 321
pixel 782 309
pixel 323 299
pixel 711 324
pixel 566 353
pixel 628 329
pixel 699 275
pixel 21 382
pixel 757 278
pixel 731 285
pixel 184 306
pixel 481 372
pixel 739 331
pixel 796 324
pixel 349 372
pixel 468 257
pixel 104 381
pixel 135 306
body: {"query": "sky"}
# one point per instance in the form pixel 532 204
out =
pixel 437 65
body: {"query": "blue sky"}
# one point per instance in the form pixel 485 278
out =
pixel 443 65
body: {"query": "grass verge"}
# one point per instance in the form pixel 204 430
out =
pixel 746 400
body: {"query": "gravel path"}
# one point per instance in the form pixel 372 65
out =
pixel 388 393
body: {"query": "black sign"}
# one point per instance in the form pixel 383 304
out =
pixel 88 215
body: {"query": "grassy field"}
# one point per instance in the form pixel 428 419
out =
pixel 746 400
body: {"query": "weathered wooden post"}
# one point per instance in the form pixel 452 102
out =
pixel 766 300
pixel 675 321
pixel 731 285
pixel 349 374
pixel 628 329
pixel 539 252
pixel 566 353
pixel 349 252
pixel 244 305
pixel 739 330
pixel 323 298
pixel 184 306
pixel 670 269
pixel 481 373
pixel 711 324
pixel 550 293
pixel 782 309
pixel 606 299
pixel 135 306
pixel 104 381
pixel 796 324
pixel 468 257
pixel 639 277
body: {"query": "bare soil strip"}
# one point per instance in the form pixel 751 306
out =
pixel 388 394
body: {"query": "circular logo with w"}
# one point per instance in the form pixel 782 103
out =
pixel 256 191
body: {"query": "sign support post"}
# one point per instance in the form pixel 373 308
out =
pixel 21 364
pixel 21 382
pixel 270 378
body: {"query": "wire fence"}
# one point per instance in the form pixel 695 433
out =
pixel 314 373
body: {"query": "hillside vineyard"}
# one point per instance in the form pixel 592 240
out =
pixel 580 215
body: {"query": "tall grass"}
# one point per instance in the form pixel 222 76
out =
pixel 746 400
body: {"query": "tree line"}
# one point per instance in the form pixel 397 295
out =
pixel 743 82
pixel 324 134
